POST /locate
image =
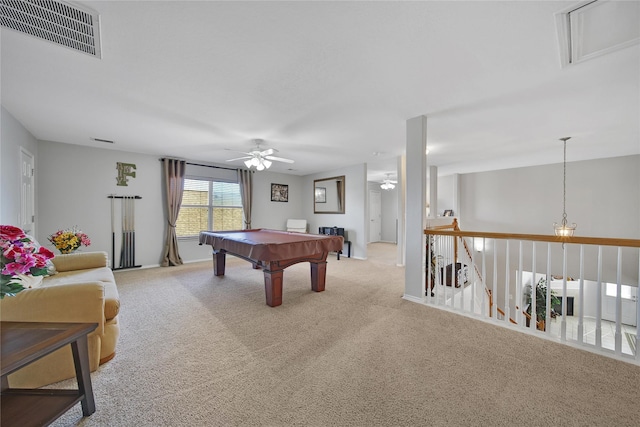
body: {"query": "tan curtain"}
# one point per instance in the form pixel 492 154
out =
pixel 245 179
pixel 174 183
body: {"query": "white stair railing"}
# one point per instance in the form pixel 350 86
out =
pixel 513 279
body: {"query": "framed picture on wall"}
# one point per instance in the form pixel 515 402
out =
pixel 321 195
pixel 279 193
pixel 448 212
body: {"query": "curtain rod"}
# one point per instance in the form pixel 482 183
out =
pixel 206 166
pixel 112 196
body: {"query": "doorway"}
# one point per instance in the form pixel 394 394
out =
pixel 27 192
pixel 375 216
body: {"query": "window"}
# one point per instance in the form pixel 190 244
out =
pixel 209 205
pixel 612 291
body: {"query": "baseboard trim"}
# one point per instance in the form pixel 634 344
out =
pixel 413 299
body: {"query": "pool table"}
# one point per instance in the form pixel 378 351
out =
pixel 273 251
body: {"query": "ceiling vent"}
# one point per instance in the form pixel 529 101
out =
pixel 593 28
pixel 58 22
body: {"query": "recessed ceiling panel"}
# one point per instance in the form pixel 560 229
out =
pixel 591 29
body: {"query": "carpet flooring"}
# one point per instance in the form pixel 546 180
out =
pixel 200 350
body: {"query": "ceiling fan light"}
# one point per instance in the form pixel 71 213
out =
pixel 248 163
pixel 255 162
pixel 266 163
pixel 387 186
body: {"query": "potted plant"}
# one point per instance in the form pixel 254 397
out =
pixel 541 303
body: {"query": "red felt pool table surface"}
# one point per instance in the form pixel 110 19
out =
pixel 273 251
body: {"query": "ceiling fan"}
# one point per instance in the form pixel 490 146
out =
pixel 388 184
pixel 259 158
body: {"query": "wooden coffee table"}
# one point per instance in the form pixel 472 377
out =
pixel 25 342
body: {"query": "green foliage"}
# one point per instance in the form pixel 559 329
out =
pixel 10 286
pixel 541 299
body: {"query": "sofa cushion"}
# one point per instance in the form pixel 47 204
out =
pixel 103 274
pixel 80 261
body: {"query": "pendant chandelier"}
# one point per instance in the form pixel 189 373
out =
pixel 563 229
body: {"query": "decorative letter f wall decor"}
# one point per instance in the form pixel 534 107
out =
pixel 125 170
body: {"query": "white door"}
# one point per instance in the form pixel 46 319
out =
pixel 27 192
pixel 629 298
pixel 375 216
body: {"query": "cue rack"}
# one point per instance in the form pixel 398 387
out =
pixel 123 231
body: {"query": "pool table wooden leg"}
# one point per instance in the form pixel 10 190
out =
pixel 219 261
pixel 273 287
pixel 318 275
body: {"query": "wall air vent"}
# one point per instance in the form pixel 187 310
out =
pixel 58 22
pixel 593 28
pixel 108 141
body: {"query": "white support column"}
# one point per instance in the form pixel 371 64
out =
pixel 432 191
pixel 416 164
pixel 402 188
pixel 456 197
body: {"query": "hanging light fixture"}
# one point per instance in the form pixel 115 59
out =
pixel 258 162
pixel 387 184
pixel 563 229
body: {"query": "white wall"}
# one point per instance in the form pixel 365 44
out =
pixel 603 198
pixel 355 216
pixel 78 196
pixel 13 136
pixel 446 196
pixel 73 186
pixel 274 215
pixel 73 182
pixel 389 211
pixel 390 215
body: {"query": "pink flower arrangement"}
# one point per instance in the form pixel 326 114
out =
pixel 21 255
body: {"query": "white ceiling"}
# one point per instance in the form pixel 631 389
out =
pixel 328 84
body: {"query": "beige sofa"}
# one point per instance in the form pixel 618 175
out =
pixel 82 290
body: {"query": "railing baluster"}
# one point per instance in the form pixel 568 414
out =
pixel 507 305
pixel 484 280
pixel 472 267
pixel 581 298
pixel 427 292
pixel 446 279
pixel 599 302
pixel 457 276
pixel 637 337
pixel 563 325
pixel 533 322
pixel 518 302
pixel 619 303
pixel 547 320
pixel 494 288
pixel 447 276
